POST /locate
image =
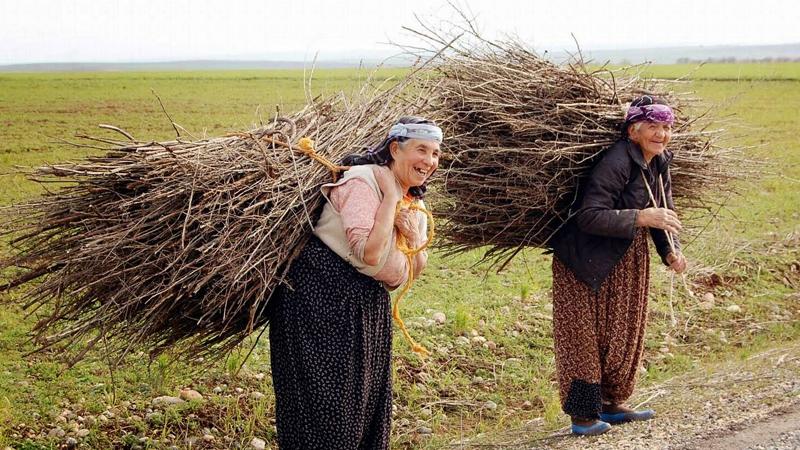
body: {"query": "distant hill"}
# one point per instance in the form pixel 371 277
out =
pixel 672 55
pixel 182 65
pixel 664 55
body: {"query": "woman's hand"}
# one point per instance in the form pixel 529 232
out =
pixel 387 183
pixel 661 218
pixel 677 262
pixel 407 224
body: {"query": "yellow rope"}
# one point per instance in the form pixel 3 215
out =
pixel 402 245
pixel 306 146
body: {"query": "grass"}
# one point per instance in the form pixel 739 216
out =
pixel 747 258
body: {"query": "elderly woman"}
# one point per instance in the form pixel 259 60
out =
pixel 601 270
pixel 330 327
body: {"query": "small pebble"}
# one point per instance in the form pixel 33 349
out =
pixel 734 308
pixel 478 339
pixel 258 444
pixel 190 394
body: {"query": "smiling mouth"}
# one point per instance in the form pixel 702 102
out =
pixel 420 172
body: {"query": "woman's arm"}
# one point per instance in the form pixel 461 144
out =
pixel 670 224
pixel 603 187
pixel 384 218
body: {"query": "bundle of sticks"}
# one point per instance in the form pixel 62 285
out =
pixel 160 245
pixel 522 132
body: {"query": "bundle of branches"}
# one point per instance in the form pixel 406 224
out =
pixel 179 244
pixel 523 131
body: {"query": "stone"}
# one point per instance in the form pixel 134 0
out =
pixel 439 318
pixel 734 308
pixel 83 432
pixel 259 376
pixel 190 394
pixel 490 405
pixel 462 341
pixel 258 444
pixel 166 400
pixel 71 442
pixel 708 297
pixel 255 395
pixel 491 345
pixel 424 430
pixel 57 432
pixel 478 340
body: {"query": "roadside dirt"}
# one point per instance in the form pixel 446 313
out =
pixel 751 403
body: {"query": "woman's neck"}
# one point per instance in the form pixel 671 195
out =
pixel 403 187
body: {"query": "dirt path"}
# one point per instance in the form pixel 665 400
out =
pixel 741 404
pixel 780 431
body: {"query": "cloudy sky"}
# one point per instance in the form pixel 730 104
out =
pixel 34 31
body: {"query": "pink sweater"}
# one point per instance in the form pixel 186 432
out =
pixel 358 204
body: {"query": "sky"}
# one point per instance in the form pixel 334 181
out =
pixel 47 31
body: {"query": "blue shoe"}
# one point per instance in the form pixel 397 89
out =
pixel 623 417
pixel 598 427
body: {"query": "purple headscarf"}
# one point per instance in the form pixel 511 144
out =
pixel 651 113
pixel 648 108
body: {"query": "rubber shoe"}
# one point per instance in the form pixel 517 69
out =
pixel 599 427
pixel 624 417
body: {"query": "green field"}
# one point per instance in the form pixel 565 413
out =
pixel 748 257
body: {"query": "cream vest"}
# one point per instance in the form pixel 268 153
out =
pixel 330 229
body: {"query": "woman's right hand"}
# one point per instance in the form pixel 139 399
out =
pixel 661 218
pixel 387 183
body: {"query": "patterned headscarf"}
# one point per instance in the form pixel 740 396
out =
pixel 409 127
pixel 648 108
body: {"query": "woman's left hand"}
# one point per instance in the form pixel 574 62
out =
pixel 677 262
pixel 407 224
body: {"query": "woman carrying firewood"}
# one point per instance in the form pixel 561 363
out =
pixel 601 270
pixel 331 326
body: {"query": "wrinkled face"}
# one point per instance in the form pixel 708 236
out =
pixel 652 137
pixel 414 161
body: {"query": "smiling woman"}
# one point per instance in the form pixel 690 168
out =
pixel 601 270
pixel 331 327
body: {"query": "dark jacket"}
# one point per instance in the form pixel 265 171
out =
pixel 599 233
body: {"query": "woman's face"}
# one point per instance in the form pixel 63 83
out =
pixel 652 137
pixel 414 161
